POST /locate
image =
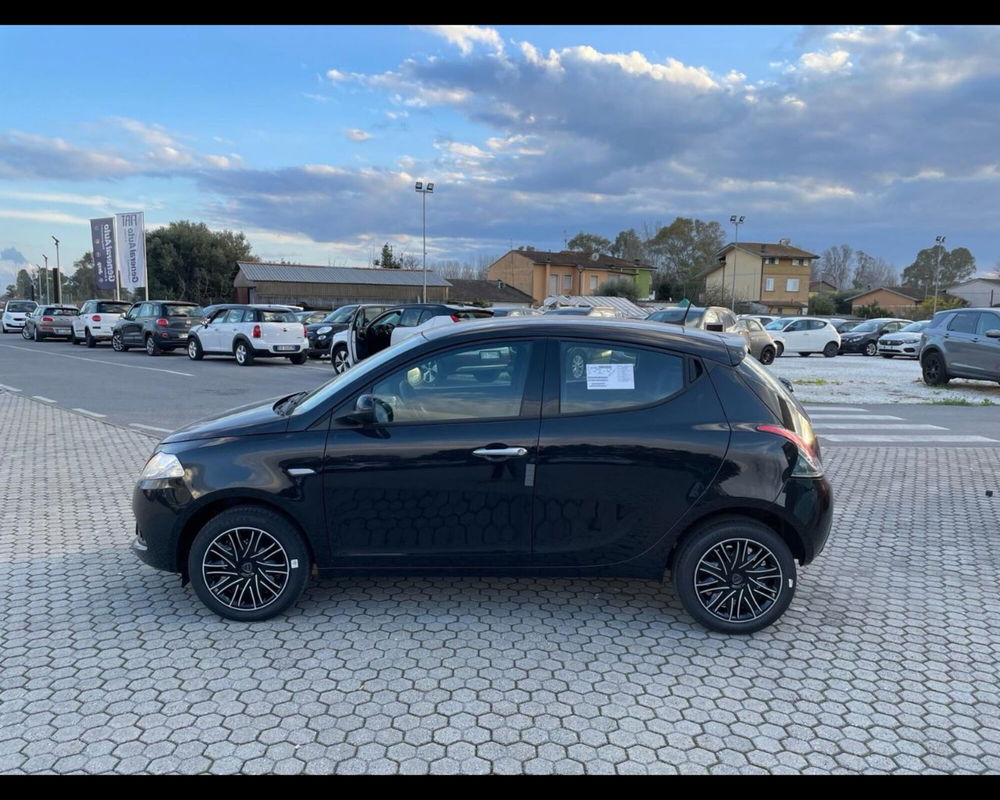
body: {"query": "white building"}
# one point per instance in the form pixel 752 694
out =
pixel 978 292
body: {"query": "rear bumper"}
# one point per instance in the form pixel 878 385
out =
pixel 271 352
pixel 808 503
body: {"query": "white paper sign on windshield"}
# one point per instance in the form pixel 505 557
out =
pixel 610 376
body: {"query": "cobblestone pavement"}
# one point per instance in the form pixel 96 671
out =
pixel 887 661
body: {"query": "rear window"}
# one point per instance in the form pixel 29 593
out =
pixel 60 312
pixel 27 306
pixel 277 316
pixel 676 315
pixel 111 308
pixel 184 311
pixel 472 314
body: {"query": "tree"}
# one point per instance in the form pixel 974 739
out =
pixel 619 287
pixel 22 285
pixel 628 245
pixel 956 266
pixel 835 266
pixel 589 243
pixel 685 248
pixel 872 271
pixel 387 260
pixel 81 285
pixel 822 304
pixel 187 261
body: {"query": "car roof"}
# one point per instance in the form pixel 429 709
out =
pixel 717 347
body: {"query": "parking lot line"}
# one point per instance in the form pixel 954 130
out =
pixel 883 426
pixel 148 427
pixel 823 409
pixel 43 399
pixel 90 413
pixel 932 437
pixel 853 416
pixel 99 361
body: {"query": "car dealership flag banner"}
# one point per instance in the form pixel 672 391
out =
pixel 103 233
pixel 130 235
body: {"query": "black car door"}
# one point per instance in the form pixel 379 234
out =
pixel 626 447
pixel 448 481
pixel 377 335
pixel 134 327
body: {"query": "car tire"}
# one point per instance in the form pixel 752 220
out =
pixel 338 359
pixel 933 370
pixel 24 333
pixel 72 339
pixel 248 564
pixel 871 349
pixel 298 358
pixel 780 349
pixel 735 552
pixel 117 344
pixel 89 339
pixel 767 356
pixel 243 353
pixel 831 350
pixel 152 348
pixel 194 351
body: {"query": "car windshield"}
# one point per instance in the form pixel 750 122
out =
pixel 185 311
pixel 867 327
pixel 676 315
pixel 569 312
pixel 112 308
pixel 26 306
pixel 342 314
pixel 914 327
pixel 358 373
pixel 277 316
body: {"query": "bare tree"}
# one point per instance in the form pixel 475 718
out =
pixel 835 266
pixel 873 272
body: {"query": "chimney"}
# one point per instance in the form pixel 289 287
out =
pixel 763 248
pixel 784 242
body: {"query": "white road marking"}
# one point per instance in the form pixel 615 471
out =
pixel 99 361
pixel 853 416
pixel 932 438
pixel 884 426
pixel 823 409
pixel 90 413
pixel 9 388
pixel 149 427
pixel 43 399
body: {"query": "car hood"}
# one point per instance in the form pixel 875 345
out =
pixel 334 326
pixel 901 337
pixel 249 420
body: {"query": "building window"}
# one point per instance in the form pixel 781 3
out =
pixel 553 285
pixel 567 281
pixel 796 262
pixel 769 284
pixel 792 285
pixel 770 260
pixel 593 283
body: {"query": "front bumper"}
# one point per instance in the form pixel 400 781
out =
pixel 13 323
pixel 319 345
pixel 908 349
pixel 159 508
pixel 854 347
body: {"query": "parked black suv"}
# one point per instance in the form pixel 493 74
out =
pixel 321 333
pixel 474 448
pixel 962 343
pixel 156 325
pixel 863 337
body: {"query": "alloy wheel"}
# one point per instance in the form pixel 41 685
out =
pixel 339 360
pixel 116 342
pixel 245 569
pixel 150 346
pixel 738 580
pixel 578 366
pixel 871 349
pixel 241 354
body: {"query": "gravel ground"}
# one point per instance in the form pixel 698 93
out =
pixel 872 381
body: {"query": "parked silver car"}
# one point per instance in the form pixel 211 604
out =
pixel 962 343
pixel 904 343
pixel 759 341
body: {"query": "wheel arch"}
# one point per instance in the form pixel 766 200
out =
pixel 787 532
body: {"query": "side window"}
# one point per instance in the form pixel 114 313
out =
pixel 609 377
pixel 219 316
pixel 87 307
pixel 484 381
pixel 425 315
pixel 146 310
pixel 816 324
pixel 236 315
pixel 964 323
pixel 132 312
pixel 410 318
pixel 988 321
pixel 728 320
pixel 712 318
pixel 798 325
pixel 752 325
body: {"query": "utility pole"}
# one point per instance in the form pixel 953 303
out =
pixel 736 221
pixel 424 191
pixel 937 269
pixel 57 277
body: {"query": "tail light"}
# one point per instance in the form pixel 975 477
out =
pixel 305 332
pixel 96 317
pixel 455 318
pixel 808 464
pixel 162 322
pixel 47 319
pixel 256 331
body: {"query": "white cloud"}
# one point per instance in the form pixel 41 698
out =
pixel 465 37
pixel 357 135
pixel 826 62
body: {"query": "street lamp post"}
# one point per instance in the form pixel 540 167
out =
pixel 424 191
pixel 736 221
pixel 57 283
pixel 43 291
pixel 937 268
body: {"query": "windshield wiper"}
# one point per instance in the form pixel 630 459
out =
pixel 285 405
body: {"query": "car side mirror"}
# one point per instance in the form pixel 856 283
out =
pixel 369 410
pixel 993 333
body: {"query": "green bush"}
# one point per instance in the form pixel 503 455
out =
pixel 619 287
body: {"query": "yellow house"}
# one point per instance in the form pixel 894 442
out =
pixel 892 300
pixel 773 275
pixel 542 273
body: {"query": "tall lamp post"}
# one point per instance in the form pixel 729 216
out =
pixel 57 283
pixel 424 191
pixel 937 268
pixel 736 221
pixel 44 291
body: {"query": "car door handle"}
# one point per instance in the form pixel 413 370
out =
pixel 500 452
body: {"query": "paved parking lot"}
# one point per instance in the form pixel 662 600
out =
pixel 887 661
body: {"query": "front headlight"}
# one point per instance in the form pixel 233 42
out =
pixel 324 329
pixel 162 465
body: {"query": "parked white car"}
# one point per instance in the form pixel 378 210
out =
pixel 14 313
pixel 95 321
pixel 805 336
pixel 248 332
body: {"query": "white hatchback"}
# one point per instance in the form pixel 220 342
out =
pixel 247 332
pixel 14 313
pixel 805 336
pixel 96 320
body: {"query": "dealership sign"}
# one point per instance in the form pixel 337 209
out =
pixel 130 234
pixel 103 233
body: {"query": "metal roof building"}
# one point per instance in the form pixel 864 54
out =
pixel 328 287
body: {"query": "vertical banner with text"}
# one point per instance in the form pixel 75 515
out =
pixel 103 233
pixel 130 236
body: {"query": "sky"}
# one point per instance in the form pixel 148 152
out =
pixel 310 139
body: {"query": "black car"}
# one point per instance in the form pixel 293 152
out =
pixel 472 449
pixel 156 325
pixel 863 337
pixel 321 332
